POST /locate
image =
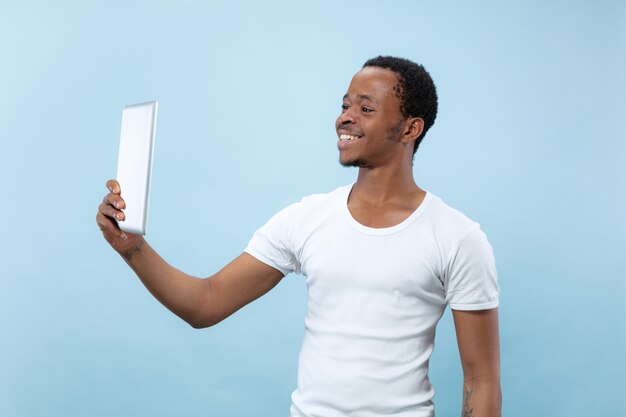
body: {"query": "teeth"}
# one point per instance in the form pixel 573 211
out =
pixel 345 137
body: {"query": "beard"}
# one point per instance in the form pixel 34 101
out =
pixel 357 163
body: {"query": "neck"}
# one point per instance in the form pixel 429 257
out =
pixel 385 184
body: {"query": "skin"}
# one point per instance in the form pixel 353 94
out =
pixel 384 195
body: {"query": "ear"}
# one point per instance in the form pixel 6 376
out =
pixel 413 128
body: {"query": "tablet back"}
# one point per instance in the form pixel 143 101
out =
pixel 134 164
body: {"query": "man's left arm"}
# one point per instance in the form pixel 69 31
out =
pixel 479 346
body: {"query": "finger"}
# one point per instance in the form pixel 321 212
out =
pixel 114 200
pixel 114 186
pixel 105 222
pixel 109 211
pixel 107 226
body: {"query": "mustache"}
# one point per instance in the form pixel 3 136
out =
pixel 349 132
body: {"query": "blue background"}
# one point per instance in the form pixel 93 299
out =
pixel 529 141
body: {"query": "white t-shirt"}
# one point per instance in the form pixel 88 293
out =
pixel 374 299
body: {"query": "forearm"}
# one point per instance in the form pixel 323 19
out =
pixel 181 293
pixel 482 397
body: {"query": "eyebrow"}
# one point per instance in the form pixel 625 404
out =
pixel 362 97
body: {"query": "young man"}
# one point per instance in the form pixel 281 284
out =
pixel 382 259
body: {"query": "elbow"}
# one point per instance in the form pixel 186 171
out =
pixel 489 378
pixel 208 312
pixel 203 316
pixel 199 325
pixel 202 323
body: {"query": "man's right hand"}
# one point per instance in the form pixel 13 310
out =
pixel 109 213
pixel 200 302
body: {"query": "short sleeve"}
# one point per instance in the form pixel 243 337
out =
pixel 471 281
pixel 272 244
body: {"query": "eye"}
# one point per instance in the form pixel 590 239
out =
pixel 366 109
pixel 344 107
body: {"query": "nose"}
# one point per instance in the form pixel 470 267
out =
pixel 346 117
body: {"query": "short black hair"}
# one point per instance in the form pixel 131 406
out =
pixel 416 90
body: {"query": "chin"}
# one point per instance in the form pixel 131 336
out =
pixel 358 163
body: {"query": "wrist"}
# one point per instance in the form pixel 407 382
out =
pixel 133 247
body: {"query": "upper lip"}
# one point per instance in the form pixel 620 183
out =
pixel 348 132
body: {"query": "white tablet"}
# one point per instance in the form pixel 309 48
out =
pixel 134 164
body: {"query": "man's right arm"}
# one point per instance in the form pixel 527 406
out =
pixel 201 302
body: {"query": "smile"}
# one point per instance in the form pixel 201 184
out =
pixel 345 137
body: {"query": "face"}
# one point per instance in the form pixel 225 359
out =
pixel 370 126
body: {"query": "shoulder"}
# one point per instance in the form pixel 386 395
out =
pixel 319 203
pixel 324 198
pixel 461 240
pixel 310 209
pixel 448 221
